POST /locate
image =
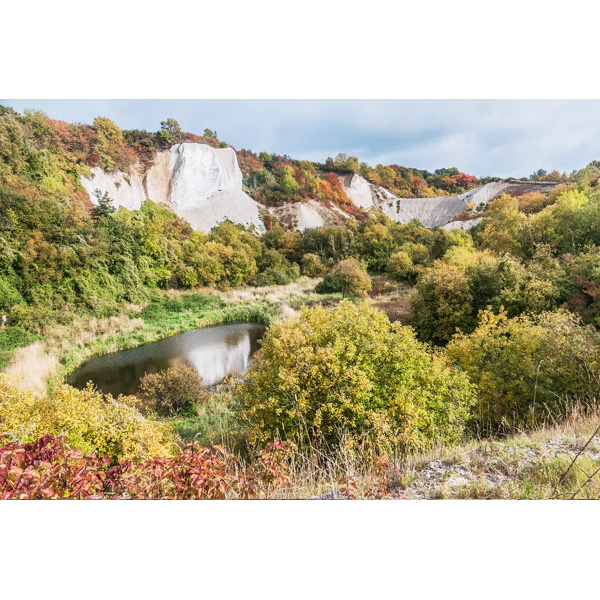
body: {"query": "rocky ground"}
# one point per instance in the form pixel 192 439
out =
pixel 526 466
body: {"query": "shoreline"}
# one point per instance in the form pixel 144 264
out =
pixel 63 349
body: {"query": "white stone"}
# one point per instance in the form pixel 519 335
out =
pixel 130 194
pixel 308 215
pixel 199 183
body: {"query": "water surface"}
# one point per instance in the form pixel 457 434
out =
pixel 214 352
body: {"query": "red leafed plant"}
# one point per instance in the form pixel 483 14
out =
pixel 48 468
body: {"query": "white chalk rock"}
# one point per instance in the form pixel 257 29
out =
pixel 125 189
pixel 308 215
pixel 199 183
pixel 358 190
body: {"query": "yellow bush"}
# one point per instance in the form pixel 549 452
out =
pixel 92 421
pixel 347 377
pixel 528 367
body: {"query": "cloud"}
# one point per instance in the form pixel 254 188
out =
pixel 481 137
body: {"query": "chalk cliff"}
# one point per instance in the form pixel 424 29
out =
pixel 203 185
pixel 199 183
pixel 431 212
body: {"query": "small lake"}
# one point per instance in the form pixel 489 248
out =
pixel 214 352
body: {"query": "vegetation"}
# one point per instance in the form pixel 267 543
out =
pixel 11 339
pixel 174 391
pixel 94 422
pixel 504 336
pixel 346 277
pixel 529 368
pixel 348 374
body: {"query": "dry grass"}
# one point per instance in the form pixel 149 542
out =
pixel 527 465
pixel 32 366
pixel 273 294
pixel 35 365
pixel 396 301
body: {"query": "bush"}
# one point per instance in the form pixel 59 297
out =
pixel 112 427
pixel 348 374
pixel 174 391
pixel 50 469
pixel 400 265
pixel 529 367
pixel 272 276
pixel 443 303
pixel 346 277
pixel 312 266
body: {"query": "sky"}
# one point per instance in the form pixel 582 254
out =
pixel 503 138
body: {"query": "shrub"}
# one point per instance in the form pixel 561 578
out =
pixel 348 374
pixel 400 265
pixel 272 276
pixel 49 469
pixel 346 277
pixel 312 266
pixel 176 390
pixel 112 427
pixel 443 303
pixel 528 367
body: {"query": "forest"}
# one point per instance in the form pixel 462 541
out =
pixel 500 337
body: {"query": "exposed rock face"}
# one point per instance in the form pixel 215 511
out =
pixel 201 184
pixel 125 189
pixel 431 212
pixel 466 225
pixel 306 215
pixel 358 189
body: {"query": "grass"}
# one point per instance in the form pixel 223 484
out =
pixel 69 340
pixel 217 423
pixel 528 465
pixel 11 339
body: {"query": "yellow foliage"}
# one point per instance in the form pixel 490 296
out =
pixel 91 421
pixel 349 376
pixel 527 367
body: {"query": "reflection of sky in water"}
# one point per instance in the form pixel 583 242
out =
pixel 214 352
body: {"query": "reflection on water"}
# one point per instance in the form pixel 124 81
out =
pixel 214 352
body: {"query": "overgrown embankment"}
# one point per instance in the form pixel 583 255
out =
pixel 61 347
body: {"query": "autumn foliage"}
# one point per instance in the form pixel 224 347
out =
pixel 49 469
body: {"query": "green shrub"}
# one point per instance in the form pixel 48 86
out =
pixel 312 266
pixel 349 374
pixel 400 265
pixel 528 368
pixel 177 390
pixel 346 277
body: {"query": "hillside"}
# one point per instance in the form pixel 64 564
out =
pixel 199 183
pixel 111 239
pixel 204 181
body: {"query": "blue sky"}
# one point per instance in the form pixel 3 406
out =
pixel 481 137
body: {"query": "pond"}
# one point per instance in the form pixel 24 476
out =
pixel 214 352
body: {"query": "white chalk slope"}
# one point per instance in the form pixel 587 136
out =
pixel 431 212
pixel 201 184
pixel 310 214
